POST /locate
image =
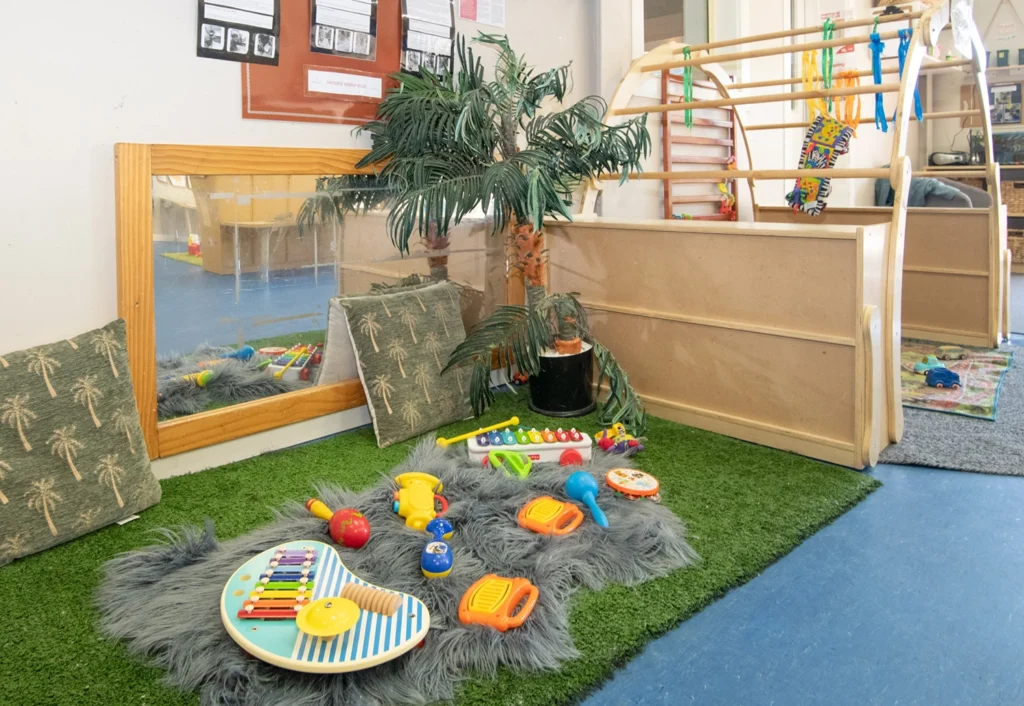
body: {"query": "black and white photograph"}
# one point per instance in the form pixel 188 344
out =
pixel 266 46
pixel 324 37
pixel 441 64
pixel 360 43
pixel 1005 101
pixel 412 61
pixel 213 37
pixel 238 41
pixel 343 40
pixel 430 61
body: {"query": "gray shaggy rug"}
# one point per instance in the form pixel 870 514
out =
pixel 163 601
pixel 961 443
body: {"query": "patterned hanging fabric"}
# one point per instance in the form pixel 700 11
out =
pixel 825 141
pixel 905 35
pixel 827 60
pixel 688 89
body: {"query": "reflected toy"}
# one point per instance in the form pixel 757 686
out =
pixel 493 600
pixel 582 487
pixel 436 559
pixel 414 500
pixel 346 526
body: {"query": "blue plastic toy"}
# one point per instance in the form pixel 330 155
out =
pixel 243 353
pixel 508 437
pixel 942 377
pixel 495 438
pixel 582 487
pixel 483 440
pixel 927 364
pixel 436 559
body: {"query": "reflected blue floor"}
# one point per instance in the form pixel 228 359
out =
pixel 912 597
pixel 195 307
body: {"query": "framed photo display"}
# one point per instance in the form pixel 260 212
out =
pixel 248 31
pixel 428 34
pixel 1005 102
pixel 345 28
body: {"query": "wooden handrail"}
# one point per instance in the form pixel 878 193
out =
pixel 776 174
pixel 860 74
pixel 868 121
pixel 843 24
pixel 753 100
pixel 771 51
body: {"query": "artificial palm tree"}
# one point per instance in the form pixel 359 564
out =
pixel 447 144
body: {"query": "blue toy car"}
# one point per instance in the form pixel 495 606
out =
pixel 942 377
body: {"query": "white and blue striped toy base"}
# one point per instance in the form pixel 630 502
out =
pixel 538 453
pixel 374 639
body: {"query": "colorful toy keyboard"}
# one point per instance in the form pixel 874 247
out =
pixel 545 446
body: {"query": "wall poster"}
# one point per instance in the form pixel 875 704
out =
pixel 344 28
pixel 428 33
pixel 239 30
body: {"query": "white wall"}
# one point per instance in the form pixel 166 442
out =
pixel 126 71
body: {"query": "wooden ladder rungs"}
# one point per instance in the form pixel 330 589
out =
pixel 707 122
pixel 676 78
pixel 702 198
pixel 689 140
pixel 697 159
pixel 726 108
pixel 696 180
pixel 715 217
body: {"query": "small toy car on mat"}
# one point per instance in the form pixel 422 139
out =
pixel 941 377
pixel 951 353
pixel 927 364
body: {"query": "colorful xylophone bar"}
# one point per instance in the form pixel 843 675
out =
pixel 283 588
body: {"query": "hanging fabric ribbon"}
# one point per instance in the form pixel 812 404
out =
pixel 687 89
pixel 905 35
pixel 827 59
pixel 848 107
pixel 877 47
pixel 811 82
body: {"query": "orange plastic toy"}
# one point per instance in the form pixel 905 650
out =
pixel 493 600
pixel 545 515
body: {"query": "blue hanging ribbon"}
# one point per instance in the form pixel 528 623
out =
pixel 877 47
pixel 904 48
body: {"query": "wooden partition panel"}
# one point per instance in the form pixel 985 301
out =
pixel 949 269
pixel 764 332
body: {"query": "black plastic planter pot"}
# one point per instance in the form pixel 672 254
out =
pixel 564 387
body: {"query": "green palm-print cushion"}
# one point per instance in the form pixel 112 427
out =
pixel 72 457
pixel 402 341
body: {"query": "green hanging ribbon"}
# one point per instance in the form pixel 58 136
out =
pixel 687 89
pixel 827 58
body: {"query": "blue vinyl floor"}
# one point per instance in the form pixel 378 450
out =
pixel 195 307
pixel 912 597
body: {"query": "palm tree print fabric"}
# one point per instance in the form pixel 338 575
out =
pixel 72 456
pixel 402 341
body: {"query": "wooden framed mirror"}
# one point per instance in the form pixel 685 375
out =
pixel 210 258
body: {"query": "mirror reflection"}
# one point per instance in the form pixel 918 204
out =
pixel 245 268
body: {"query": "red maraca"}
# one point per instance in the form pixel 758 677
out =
pixel 346 526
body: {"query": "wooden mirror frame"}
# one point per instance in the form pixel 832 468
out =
pixel 135 165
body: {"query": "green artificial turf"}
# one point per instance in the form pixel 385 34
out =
pixel 745 506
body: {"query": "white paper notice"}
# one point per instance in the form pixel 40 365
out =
pixel 436 11
pixel 264 7
pixel 357 6
pixel 340 18
pixel 238 17
pixel 344 84
pixel 429 28
pixel 963 24
pixel 488 12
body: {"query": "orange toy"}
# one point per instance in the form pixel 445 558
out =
pixel 545 515
pixel 493 600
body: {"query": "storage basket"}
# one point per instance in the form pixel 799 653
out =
pixel 1013 196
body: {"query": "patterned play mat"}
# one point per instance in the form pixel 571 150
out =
pixel 981 373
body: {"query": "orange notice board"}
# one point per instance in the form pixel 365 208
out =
pixel 315 87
